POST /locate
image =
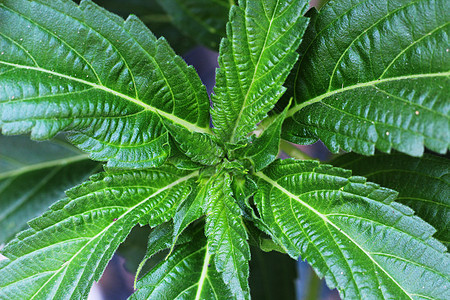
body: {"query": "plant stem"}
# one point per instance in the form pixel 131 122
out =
pixel 293 151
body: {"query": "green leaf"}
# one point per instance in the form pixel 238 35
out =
pixel 190 210
pixel 179 159
pixel 33 176
pixel 244 188
pixel 67 248
pixel 352 232
pixel 261 240
pixel 105 80
pixel 264 150
pixel 254 60
pixel 227 237
pixel 423 183
pixel 160 239
pixel 203 148
pixel 189 273
pixel 203 20
pixel 374 74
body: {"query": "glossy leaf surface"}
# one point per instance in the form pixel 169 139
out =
pixel 264 150
pixel 82 69
pixel 227 237
pixel 67 248
pixel 423 183
pixel 351 232
pixel 254 60
pixel 374 74
pixel 35 175
pixel 202 148
pixel 189 211
pixel 188 273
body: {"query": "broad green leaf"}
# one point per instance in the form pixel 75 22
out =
pixel 352 232
pixel 227 236
pixel 273 276
pixel 105 80
pixel 155 17
pixel 188 273
pixel 264 150
pixel 67 248
pixel 374 74
pixel 423 183
pixel 254 60
pixel 33 176
pixel 203 20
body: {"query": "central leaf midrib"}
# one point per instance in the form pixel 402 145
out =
pixel 99 235
pixel 232 136
pixel 18 204
pixel 188 125
pixel 327 221
pixel 204 273
pixel 383 18
pixel 44 165
pixel 372 83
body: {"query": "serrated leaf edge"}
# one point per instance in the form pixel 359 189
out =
pixel 182 179
pixel 239 116
pixel 327 221
pixel 190 126
pixel 295 108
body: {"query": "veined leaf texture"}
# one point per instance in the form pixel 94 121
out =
pixel 361 75
pixel 82 69
pixel 374 74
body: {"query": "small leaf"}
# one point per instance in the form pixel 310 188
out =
pixel 105 80
pixel 374 74
pixel 255 59
pixel 423 183
pixel 202 148
pixel 261 240
pixel 189 273
pixel 227 237
pixel 160 239
pixel 203 20
pixel 264 150
pixel 244 188
pixel 190 210
pixel 179 159
pixel 33 176
pixel 352 233
pixel 67 248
